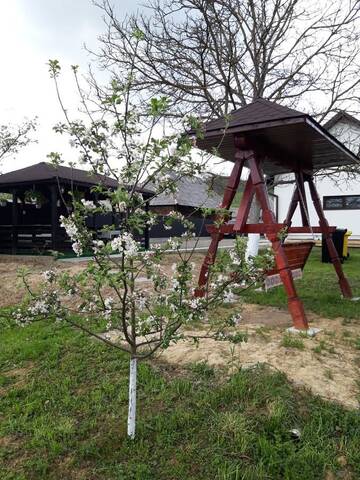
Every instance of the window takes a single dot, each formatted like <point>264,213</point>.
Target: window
<point>342,202</point>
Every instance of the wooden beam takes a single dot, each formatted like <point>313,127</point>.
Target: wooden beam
<point>302,198</point>
<point>295,305</point>
<point>229,194</point>
<point>245,205</point>
<point>14,221</point>
<point>229,228</point>
<point>147,229</point>
<point>54,216</point>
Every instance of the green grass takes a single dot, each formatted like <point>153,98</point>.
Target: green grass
<point>65,418</point>
<point>319,289</point>
<point>290,341</point>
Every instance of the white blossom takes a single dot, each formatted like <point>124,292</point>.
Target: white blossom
<point>98,245</point>
<point>125,244</point>
<point>77,247</point>
<point>121,206</point>
<point>108,305</point>
<point>49,276</point>
<point>229,297</point>
<point>89,204</point>
<point>73,232</point>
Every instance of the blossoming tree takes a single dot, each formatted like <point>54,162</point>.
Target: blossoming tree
<point>108,297</point>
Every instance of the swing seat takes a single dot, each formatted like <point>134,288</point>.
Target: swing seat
<point>297,254</point>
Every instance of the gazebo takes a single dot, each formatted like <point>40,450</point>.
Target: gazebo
<point>271,139</point>
<point>39,195</point>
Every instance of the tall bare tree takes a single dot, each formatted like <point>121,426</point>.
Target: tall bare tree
<point>209,57</point>
<point>213,56</point>
<point>13,138</point>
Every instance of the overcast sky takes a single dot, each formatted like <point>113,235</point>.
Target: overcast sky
<point>31,33</point>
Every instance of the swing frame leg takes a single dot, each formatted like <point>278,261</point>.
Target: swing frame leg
<point>295,305</point>
<point>229,194</point>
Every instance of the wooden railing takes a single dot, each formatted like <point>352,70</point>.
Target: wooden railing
<point>30,239</point>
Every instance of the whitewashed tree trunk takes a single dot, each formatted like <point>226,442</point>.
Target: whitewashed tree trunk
<point>252,248</point>
<point>132,398</point>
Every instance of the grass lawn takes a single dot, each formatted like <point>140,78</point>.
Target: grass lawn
<point>63,407</point>
<point>319,288</point>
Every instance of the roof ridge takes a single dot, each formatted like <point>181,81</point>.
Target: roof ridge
<point>278,106</point>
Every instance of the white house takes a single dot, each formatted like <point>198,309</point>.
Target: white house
<point>339,194</point>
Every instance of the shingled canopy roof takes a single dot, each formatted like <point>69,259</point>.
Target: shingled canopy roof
<point>44,172</point>
<point>291,138</point>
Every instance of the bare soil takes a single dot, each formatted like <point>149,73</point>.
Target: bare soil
<point>328,364</point>
<point>333,372</point>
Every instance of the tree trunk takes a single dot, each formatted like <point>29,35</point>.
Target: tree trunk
<point>252,248</point>
<point>132,398</point>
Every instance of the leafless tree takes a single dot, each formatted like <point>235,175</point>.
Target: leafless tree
<point>213,56</point>
<point>209,57</point>
<point>13,138</point>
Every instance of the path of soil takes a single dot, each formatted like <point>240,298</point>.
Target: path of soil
<point>333,373</point>
<point>332,370</point>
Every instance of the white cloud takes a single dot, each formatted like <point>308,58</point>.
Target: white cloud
<point>32,32</point>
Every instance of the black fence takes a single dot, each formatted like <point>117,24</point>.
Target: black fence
<point>177,229</point>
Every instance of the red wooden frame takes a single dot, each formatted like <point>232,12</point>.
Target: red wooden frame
<point>256,185</point>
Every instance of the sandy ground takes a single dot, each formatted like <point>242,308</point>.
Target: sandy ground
<point>331,371</point>
<point>333,374</point>
<point>12,290</point>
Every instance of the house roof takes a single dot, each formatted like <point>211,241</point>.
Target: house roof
<point>339,116</point>
<point>288,138</point>
<point>192,192</point>
<point>44,172</point>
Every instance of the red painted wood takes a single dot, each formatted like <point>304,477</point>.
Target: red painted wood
<point>287,256</point>
<point>233,182</point>
<point>292,207</point>
<point>296,254</point>
<point>208,261</point>
<point>217,236</point>
<point>245,206</point>
<point>229,228</point>
<point>295,305</point>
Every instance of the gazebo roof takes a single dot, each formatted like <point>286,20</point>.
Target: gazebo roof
<point>289,139</point>
<point>47,172</point>
<point>44,172</point>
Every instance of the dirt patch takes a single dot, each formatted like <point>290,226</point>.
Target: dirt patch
<point>19,377</point>
<point>326,364</point>
<point>12,290</point>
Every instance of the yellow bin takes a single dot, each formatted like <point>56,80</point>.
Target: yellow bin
<point>346,244</point>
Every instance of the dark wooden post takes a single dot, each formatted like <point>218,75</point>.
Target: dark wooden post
<point>14,221</point>
<point>292,207</point>
<point>295,305</point>
<point>324,225</point>
<point>147,229</point>
<point>54,216</point>
<point>302,199</point>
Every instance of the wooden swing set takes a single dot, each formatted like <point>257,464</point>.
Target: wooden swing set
<point>270,140</point>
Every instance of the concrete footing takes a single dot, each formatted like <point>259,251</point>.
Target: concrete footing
<point>310,332</point>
